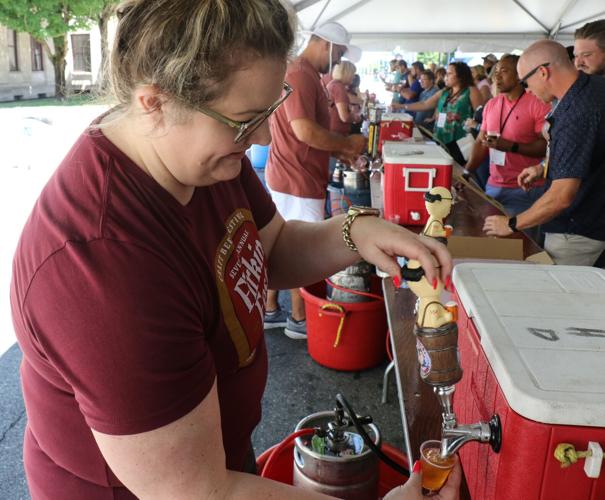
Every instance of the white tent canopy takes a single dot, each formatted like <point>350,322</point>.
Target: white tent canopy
<point>447,25</point>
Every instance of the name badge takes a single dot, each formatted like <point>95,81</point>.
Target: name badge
<point>441,120</point>
<point>497,157</point>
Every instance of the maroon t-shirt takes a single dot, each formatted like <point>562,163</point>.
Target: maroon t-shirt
<point>293,167</point>
<point>127,306</point>
<point>338,95</point>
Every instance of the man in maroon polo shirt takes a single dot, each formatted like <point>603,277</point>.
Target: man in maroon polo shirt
<point>297,171</point>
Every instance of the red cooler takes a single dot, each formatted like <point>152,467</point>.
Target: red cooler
<point>395,127</point>
<point>410,170</point>
<point>532,346</point>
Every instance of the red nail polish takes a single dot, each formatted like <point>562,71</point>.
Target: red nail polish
<point>434,283</point>
<point>448,282</point>
<point>397,281</point>
<point>417,467</point>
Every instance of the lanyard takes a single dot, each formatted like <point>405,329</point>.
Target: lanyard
<point>451,98</point>
<point>502,125</point>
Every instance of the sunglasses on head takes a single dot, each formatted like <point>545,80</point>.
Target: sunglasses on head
<point>432,198</point>
<point>523,80</point>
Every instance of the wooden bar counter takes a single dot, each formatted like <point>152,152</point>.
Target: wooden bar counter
<point>422,409</point>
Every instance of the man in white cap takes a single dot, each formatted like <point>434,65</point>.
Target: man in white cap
<point>297,169</point>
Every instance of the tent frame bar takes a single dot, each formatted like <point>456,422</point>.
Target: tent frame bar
<point>348,10</point>
<point>525,9</point>
<point>583,20</point>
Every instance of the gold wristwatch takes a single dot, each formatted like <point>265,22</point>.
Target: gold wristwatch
<point>354,212</point>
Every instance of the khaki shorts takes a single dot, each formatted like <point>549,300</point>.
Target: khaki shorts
<point>573,249</point>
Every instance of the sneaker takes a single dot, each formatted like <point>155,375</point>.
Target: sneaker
<point>296,329</point>
<point>275,319</point>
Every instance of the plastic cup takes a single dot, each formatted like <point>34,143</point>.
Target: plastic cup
<point>452,307</point>
<point>435,469</point>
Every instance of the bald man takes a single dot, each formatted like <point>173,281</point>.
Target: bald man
<point>572,209</point>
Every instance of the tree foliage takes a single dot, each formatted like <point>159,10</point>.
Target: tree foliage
<point>51,19</point>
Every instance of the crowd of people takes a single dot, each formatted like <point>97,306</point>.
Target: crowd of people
<point>548,182</point>
<point>139,291</point>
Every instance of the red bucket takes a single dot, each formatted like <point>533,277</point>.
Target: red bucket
<point>348,336</point>
<point>282,467</point>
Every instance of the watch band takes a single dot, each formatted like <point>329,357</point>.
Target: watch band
<point>515,147</point>
<point>512,223</point>
<point>354,212</point>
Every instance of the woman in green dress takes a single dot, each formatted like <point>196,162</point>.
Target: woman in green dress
<point>453,105</point>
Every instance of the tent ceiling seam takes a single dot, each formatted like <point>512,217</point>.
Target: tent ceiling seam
<point>524,9</point>
<point>583,20</point>
<point>348,10</point>
<point>556,27</point>
<point>321,12</point>
<point>304,4</point>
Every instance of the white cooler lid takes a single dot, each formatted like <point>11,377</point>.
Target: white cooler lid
<point>542,330</point>
<point>413,153</point>
<point>400,117</point>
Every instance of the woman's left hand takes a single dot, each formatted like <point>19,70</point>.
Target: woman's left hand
<point>380,243</point>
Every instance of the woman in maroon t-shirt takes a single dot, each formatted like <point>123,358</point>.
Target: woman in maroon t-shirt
<point>140,279</point>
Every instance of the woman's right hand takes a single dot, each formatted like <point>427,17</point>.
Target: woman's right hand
<point>412,489</point>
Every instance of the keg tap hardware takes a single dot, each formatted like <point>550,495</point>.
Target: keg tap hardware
<point>439,362</point>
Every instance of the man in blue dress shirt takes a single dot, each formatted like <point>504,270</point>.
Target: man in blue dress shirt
<point>572,209</point>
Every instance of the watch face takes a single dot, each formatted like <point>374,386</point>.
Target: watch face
<point>363,210</point>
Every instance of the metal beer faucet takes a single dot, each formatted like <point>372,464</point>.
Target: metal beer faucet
<point>454,436</point>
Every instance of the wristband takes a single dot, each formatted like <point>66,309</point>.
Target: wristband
<point>515,147</point>
<point>512,224</point>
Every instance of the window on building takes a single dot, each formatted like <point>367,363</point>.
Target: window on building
<point>37,55</point>
<point>80,45</point>
<point>13,59</point>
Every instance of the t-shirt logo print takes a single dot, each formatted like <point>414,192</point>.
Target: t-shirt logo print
<point>241,278</point>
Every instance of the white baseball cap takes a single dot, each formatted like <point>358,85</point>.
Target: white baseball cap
<point>338,35</point>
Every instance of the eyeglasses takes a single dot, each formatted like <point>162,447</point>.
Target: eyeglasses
<point>432,198</point>
<point>247,128</point>
<point>523,80</point>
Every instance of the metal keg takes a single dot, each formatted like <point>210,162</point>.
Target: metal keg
<point>356,180</point>
<point>347,469</point>
<point>357,278</point>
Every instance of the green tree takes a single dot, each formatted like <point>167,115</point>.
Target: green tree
<point>51,20</point>
<point>108,9</point>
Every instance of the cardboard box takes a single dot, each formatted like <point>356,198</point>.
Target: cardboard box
<point>490,248</point>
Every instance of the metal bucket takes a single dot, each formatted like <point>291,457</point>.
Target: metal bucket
<point>355,277</point>
<point>355,180</point>
<point>352,477</point>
